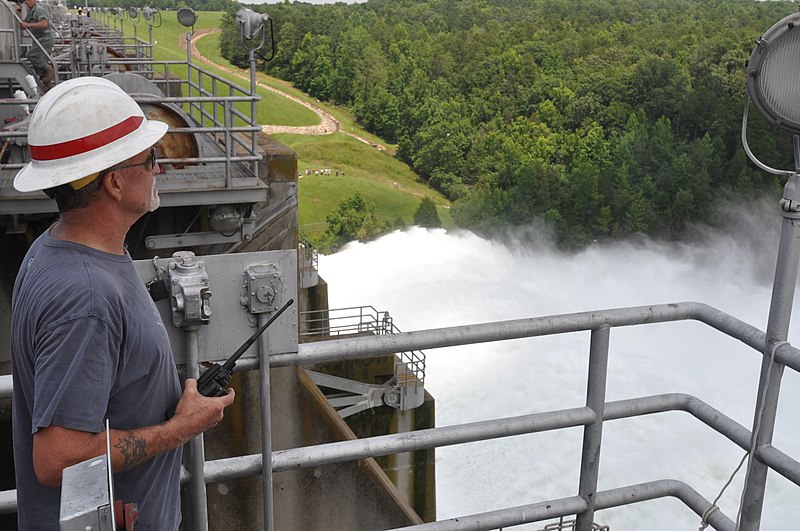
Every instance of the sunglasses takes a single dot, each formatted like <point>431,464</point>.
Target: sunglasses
<point>150,163</point>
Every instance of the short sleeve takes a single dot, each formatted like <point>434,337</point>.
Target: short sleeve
<point>75,366</point>
<point>38,14</point>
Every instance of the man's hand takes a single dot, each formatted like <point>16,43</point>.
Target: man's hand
<point>196,413</point>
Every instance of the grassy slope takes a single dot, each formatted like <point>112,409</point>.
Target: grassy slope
<point>378,176</point>
<point>209,46</point>
<point>273,109</point>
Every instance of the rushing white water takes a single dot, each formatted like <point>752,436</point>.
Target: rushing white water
<point>431,278</point>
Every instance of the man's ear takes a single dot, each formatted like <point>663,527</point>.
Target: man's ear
<point>113,184</point>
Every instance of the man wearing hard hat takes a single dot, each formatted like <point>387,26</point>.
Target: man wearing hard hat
<point>87,342</point>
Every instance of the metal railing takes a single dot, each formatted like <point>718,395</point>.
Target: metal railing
<point>342,321</point>
<point>570,524</point>
<point>18,35</point>
<point>591,417</point>
<point>363,320</point>
<point>309,255</point>
<point>220,108</point>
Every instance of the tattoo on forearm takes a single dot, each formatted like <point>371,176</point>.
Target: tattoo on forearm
<point>133,448</point>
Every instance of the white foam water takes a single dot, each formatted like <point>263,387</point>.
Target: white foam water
<point>432,278</point>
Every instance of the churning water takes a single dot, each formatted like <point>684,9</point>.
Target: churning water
<point>432,278</point>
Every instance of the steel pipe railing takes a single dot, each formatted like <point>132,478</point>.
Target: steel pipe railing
<point>599,322</point>
<point>568,506</point>
<point>343,451</point>
<point>366,347</point>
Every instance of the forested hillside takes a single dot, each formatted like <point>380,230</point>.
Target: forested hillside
<point>602,117</point>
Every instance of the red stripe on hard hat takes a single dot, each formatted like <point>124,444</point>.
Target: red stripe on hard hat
<point>87,143</point>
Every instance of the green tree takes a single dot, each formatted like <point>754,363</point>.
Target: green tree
<point>603,117</point>
<point>426,215</point>
<point>230,44</point>
<point>353,219</point>
<point>312,66</point>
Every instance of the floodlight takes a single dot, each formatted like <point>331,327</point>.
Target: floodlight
<point>250,23</point>
<point>773,83</point>
<point>133,12</point>
<point>148,13</point>
<point>186,16</point>
<point>774,74</point>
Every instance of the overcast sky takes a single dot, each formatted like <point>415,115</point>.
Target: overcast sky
<point>306,1</point>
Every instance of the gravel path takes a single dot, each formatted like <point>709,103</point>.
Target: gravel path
<point>328,124</point>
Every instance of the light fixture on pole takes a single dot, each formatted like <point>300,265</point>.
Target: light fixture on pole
<point>149,13</point>
<point>774,74</point>
<point>187,17</point>
<point>250,23</point>
<point>773,84</point>
<point>252,26</point>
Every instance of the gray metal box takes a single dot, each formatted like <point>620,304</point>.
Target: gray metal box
<point>271,276</point>
<point>85,497</point>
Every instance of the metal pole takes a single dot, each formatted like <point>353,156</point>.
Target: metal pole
<point>266,425</point>
<point>593,433</point>
<point>780,313</point>
<point>253,120</point>
<point>229,121</point>
<point>198,512</point>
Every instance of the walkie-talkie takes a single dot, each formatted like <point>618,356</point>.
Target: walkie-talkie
<point>214,381</point>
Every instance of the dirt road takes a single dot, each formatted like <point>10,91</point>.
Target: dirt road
<point>328,124</point>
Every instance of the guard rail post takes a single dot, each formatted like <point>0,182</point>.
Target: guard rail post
<point>780,313</point>
<point>266,425</point>
<point>593,433</point>
<point>198,509</point>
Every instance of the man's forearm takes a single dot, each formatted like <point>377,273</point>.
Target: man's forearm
<point>128,447</point>
<point>55,447</point>
<point>131,447</point>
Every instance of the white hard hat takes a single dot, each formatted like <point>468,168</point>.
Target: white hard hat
<point>80,127</point>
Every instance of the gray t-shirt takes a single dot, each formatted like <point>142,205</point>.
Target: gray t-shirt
<point>43,35</point>
<point>88,344</point>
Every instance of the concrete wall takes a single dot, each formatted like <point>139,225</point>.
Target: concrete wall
<point>413,473</point>
<point>356,495</point>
